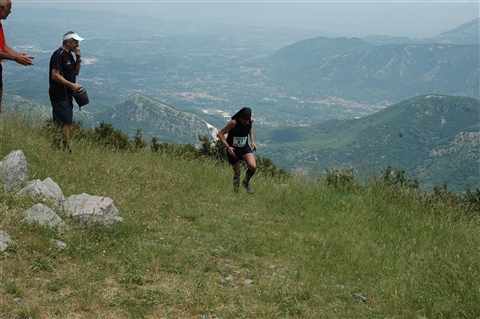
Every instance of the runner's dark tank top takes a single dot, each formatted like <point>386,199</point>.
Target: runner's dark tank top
<point>238,136</point>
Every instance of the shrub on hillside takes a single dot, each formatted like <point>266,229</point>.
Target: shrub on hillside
<point>471,200</point>
<point>105,134</point>
<point>397,178</point>
<point>138,142</point>
<point>267,168</point>
<point>341,178</point>
<point>211,149</point>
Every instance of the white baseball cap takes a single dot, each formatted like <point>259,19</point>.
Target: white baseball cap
<point>73,36</point>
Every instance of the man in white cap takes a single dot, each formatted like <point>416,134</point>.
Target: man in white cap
<point>62,77</point>
<point>6,52</point>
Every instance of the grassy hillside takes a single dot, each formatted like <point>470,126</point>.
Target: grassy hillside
<point>189,248</point>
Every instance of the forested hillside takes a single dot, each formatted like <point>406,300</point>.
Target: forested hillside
<point>435,138</point>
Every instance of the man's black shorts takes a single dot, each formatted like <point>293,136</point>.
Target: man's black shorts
<point>62,111</point>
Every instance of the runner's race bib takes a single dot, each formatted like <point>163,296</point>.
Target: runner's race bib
<point>239,141</point>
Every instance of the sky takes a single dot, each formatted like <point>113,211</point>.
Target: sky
<point>350,18</point>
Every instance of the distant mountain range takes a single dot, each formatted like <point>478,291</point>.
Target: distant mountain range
<point>288,77</point>
<point>466,34</point>
<point>435,138</point>
<point>356,70</point>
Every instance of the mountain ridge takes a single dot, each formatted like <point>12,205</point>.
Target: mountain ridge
<point>467,33</point>
<point>370,75</point>
<point>156,119</point>
<point>422,135</point>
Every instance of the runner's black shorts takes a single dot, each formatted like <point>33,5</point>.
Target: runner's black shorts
<point>239,152</point>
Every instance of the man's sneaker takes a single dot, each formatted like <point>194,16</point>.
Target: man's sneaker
<point>248,187</point>
<point>236,184</point>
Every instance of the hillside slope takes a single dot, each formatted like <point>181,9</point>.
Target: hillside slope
<point>435,138</point>
<point>156,119</point>
<point>189,247</point>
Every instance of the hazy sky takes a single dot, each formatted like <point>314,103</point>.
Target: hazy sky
<point>352,18</point>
